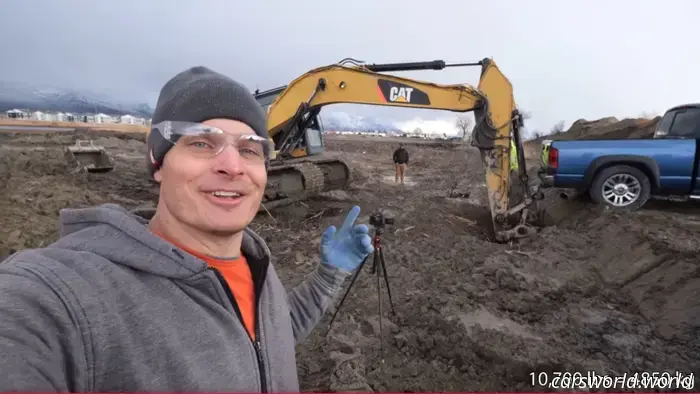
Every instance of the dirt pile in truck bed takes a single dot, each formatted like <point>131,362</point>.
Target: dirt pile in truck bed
<point>610,128</point>
<point>609,293</point>
<point>602,129</point>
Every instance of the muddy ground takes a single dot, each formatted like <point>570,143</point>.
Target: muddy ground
<point>598,291</point>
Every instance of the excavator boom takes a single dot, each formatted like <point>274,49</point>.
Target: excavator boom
<point>336,84</point>
<point>292,110</point>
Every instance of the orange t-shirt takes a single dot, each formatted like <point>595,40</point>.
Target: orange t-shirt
<point>240,281</point>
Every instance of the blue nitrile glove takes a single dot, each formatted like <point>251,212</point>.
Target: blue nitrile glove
<point>347,247</point>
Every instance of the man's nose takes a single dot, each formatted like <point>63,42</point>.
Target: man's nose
<point>229,162</point>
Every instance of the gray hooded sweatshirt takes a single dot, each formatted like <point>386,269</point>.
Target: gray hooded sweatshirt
<point>112,307</point>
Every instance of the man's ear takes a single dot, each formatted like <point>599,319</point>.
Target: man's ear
<point>157,176</point>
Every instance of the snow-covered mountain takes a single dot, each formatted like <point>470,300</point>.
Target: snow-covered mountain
<point>342,121</point>
<point>48,98</point>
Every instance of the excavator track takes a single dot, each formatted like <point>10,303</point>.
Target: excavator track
<point>337,173</point>
<point>298,179</point>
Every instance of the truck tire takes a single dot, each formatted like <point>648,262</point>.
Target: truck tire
<point>621,188</point>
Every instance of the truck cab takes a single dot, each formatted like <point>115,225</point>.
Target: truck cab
<point>624,174</point>
<point>681,122</point>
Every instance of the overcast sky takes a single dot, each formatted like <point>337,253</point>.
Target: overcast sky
<point>566,59</point>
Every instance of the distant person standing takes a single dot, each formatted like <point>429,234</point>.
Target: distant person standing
<point>400,161</point>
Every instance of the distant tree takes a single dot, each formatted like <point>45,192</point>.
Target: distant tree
<point>464,128</point>
<point>558,128</point>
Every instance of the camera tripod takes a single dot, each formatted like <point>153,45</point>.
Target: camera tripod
<point>378,260</point>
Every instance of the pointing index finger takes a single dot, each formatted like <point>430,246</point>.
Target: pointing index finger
<point>350,219</point>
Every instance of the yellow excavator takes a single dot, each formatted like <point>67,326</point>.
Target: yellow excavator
<point>300,169</point>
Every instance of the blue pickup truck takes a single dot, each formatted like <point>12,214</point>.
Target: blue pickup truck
<point>624,174</point>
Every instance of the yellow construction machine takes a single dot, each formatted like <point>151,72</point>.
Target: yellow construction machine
<point>300,169</point>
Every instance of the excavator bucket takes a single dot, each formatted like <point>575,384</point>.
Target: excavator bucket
<point>86,156</point>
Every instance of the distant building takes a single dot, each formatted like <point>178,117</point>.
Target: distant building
<point>102,118</point>
<point>127,119</point>
<point>38,115</point>
<point>16,114</point>
<point>130,119</point>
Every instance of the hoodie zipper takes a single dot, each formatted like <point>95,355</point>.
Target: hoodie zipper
<point>256,342</point>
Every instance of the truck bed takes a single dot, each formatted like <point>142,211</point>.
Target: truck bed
<point>670,163</point>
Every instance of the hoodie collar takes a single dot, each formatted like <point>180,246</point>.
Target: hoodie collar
<point>123,238</point>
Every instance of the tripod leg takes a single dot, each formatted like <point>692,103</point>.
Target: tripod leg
<point>375,260</point>
<point>354,278</point>
<point>379,300</point>
<point>386,280</point>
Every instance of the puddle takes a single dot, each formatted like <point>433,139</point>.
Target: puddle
<point>407,181</point>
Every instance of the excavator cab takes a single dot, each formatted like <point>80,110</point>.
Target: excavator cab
<point>311,140</point>
<point>298,169</point>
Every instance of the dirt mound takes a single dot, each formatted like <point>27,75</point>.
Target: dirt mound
<point>593,292</point>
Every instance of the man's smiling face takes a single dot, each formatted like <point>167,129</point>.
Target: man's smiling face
<point>219,194</point>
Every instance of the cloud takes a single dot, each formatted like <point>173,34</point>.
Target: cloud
<point>430,126</point>
<point>565,59</point>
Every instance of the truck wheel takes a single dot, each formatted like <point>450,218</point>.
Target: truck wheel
<point>621,187</point>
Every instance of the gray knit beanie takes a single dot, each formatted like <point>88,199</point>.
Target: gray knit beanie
<point>196,95</point>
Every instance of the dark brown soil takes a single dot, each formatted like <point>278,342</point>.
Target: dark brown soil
<point>598,291</point>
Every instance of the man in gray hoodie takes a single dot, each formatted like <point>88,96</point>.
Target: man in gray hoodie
<point>185,300</point>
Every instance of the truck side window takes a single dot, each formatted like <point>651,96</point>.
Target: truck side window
<point>686,123</point>
<point>665,124</point>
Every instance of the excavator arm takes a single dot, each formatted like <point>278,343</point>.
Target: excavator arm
<point>498,122</point>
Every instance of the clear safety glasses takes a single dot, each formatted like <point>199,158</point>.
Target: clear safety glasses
<point>204,141</point>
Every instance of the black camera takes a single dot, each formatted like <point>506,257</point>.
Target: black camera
<point>378,219</point>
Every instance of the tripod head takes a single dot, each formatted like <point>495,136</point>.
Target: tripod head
<point>380,220</point>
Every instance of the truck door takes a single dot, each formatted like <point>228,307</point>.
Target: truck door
<point>683,123</point>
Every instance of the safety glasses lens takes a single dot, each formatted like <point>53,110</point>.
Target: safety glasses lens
<point>208,145</point>
<point>207,141</point>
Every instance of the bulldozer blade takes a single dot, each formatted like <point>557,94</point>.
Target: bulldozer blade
<point>85,156</point>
